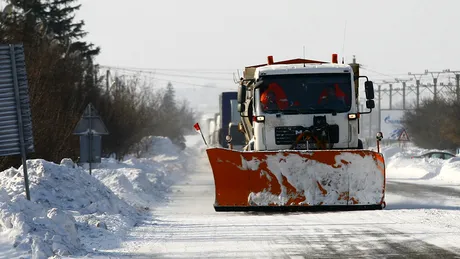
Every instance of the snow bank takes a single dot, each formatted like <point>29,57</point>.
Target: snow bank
<point>33,228</point>
<point>63,199</point>
<point>72,212</point>
<point>142,181</point>
<point>450,171</point>
<point>401,166</point>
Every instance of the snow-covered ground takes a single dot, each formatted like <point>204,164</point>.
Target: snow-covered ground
<point>160,205</point>
<point>74,213</point>
<point>402,167</point>
<point>188,227</point>
<point>421,182</point>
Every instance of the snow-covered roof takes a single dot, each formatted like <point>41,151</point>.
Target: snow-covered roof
<point>291,61</point>
<point>302,69</point>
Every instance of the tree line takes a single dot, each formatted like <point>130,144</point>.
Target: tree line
<point>63,78</point>
<point>435,124</point>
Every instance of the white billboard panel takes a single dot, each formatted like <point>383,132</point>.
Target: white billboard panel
<point>390,124</point>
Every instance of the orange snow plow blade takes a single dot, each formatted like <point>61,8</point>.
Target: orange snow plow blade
<point>297,180</point>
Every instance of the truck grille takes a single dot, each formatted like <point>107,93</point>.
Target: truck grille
<point>287,135</point>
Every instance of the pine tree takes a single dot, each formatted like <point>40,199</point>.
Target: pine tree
<point>60,22</point>
<point>169,102</point>
<point>169,114</point>
<point>57,19</point>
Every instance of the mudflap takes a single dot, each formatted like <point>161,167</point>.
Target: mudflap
<point>295,180</point>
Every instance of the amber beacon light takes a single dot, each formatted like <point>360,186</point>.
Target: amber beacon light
<point>335,58</point>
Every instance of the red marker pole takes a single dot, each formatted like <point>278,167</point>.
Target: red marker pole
<point>197,128</point>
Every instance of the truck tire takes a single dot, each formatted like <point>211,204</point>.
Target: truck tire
<point>360,144</point>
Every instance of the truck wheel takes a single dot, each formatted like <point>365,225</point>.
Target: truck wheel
<point>360,144</point>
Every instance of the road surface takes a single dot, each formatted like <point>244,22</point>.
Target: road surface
<point>188,227</point>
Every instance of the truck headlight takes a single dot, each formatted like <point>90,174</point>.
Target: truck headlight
<point>352,116</point>
<point>258,118</point>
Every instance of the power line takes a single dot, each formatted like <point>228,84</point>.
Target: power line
<point>186,83</point>
<point>177,82</point>
<point>382,74</point>
<point>189,70</point>
<point>173,75</point>
<point>417,77</point>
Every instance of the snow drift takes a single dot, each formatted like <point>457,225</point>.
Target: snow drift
<point>72,212</point>
<point>142,181</point>
<point>63,199</point>
<point>400,166</point>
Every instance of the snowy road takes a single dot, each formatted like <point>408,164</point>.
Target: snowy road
<point>427,192</point>
<point>188,227</point>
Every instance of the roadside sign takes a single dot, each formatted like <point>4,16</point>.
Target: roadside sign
<point>16,135</point>
<point>90,120</point>
<point>90,128</point>
<point>403,136</point>
<point>95,146</point>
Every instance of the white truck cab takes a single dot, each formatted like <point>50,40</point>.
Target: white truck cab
<point>302,106</point>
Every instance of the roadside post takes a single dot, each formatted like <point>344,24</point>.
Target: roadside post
<point>198,129</point>
<point>379,138</point>
<point>16,136</point>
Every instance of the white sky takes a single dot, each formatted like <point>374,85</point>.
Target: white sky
<point>390,37</point>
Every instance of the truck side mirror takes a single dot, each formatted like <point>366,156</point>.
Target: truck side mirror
<point>241,107</point>
<point>241,93</point>
<point>369,89</point>
<point>370,104</point>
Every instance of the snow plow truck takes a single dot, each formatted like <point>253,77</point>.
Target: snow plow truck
<point>300,120</point>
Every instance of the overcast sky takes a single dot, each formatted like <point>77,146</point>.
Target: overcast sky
<point>390,38</point>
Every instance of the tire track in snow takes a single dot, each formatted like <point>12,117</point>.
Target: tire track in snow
<point>357,241</point>
<point>420,190</point>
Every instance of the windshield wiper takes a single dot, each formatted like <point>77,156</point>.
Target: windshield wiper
<point>271,111</point>
<point>282,111</point>
<point>327,110</point>
<point>306,110</point>
<point>290,111</point>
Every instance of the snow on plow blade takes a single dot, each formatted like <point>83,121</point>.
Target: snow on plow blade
<point>297,180</point>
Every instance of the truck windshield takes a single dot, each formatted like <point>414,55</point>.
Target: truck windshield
<point>306,93</point>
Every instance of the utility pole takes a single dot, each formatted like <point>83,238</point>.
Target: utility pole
<point>435,81</point>
<point>380,106</point>
<point>457,82</point>
<point>397,80</point>
<point>107,81</point>
<point>403,81</point>
<point>391,91</point>
<point>417,82</point>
